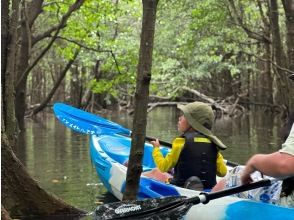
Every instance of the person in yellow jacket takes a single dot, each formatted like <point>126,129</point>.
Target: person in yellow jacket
<point>195,154</point>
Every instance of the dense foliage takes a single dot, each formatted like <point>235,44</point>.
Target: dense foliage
<point>214,47</point>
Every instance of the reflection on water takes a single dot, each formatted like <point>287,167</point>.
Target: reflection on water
<point>250,134</point>
<point>59,158</point>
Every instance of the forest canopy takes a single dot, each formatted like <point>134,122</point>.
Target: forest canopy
<point>222,49</point>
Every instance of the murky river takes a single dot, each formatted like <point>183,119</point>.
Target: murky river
<point>59,158</point>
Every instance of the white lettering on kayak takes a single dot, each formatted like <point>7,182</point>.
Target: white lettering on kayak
<point>76,127</point>
<point>127,208</point>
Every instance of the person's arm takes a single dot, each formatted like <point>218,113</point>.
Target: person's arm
<point>164,164</point>
<point>221,168</point>
<point>277,165</point>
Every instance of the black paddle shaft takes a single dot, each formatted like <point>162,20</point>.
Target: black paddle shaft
<point>215,195</point>
<point>174,205</point>
<point>160,141</point>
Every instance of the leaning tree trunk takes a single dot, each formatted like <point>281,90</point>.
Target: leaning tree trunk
<point>141,99</point>
<point>21,195</point>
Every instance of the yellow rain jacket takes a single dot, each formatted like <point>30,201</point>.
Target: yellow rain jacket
<point>164,164</point>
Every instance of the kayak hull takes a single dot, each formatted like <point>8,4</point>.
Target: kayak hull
<point>110,152</point>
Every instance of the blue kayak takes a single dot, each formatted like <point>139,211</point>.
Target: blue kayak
<point>110,152</point>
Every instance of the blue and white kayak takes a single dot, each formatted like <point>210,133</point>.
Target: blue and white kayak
<point>110,152</point>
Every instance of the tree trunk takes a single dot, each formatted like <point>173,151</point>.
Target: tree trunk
<point>267,78</point>
<point>23,57</point>
<point>264,79</point>
<point>75,87</point>
<point>61,92</point>
<point>279,57</point>
<point>86,98</point>
<point>141,99</point>
<point>4,35</point>
<point>21,195</point>
<point>37,87</point>
<point>289,12</point>
<point>9,71</point>
<point>226,78</point>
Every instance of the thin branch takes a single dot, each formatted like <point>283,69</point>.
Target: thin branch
<point>272,62</point>
<point>46,34</point>
<point>93,49</point>
<point>64,19</point>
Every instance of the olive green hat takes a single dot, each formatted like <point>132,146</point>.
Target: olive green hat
<point>200,116</point>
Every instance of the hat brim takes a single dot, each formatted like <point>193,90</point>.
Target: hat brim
<point>200,128</point>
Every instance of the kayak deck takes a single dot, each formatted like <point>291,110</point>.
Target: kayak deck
<point>118,148</point>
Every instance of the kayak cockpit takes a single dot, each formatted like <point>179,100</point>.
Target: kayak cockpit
<point>118,148</point>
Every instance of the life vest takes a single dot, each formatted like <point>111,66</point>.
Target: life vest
<point>197,158</point>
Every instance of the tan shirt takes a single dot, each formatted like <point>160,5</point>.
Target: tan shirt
<point>288,147</point>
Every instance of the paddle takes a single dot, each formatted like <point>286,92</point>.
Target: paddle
<point>85,122</point>
<point>88,123</point>
<point>177,206</point>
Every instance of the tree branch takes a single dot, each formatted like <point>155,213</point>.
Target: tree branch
<point>250,33</point>
<point>93,49</point>
<point>64,19</point>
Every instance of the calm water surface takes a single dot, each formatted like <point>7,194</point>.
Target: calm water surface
<point>59,158</point>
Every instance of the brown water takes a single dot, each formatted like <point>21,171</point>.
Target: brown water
<point>59,158</point>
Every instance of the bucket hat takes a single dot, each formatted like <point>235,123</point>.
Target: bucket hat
<point>200,116</point>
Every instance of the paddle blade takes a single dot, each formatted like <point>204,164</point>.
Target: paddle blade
<point>172,207</point>
<point>85,122</point>
<point>148,208</point>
